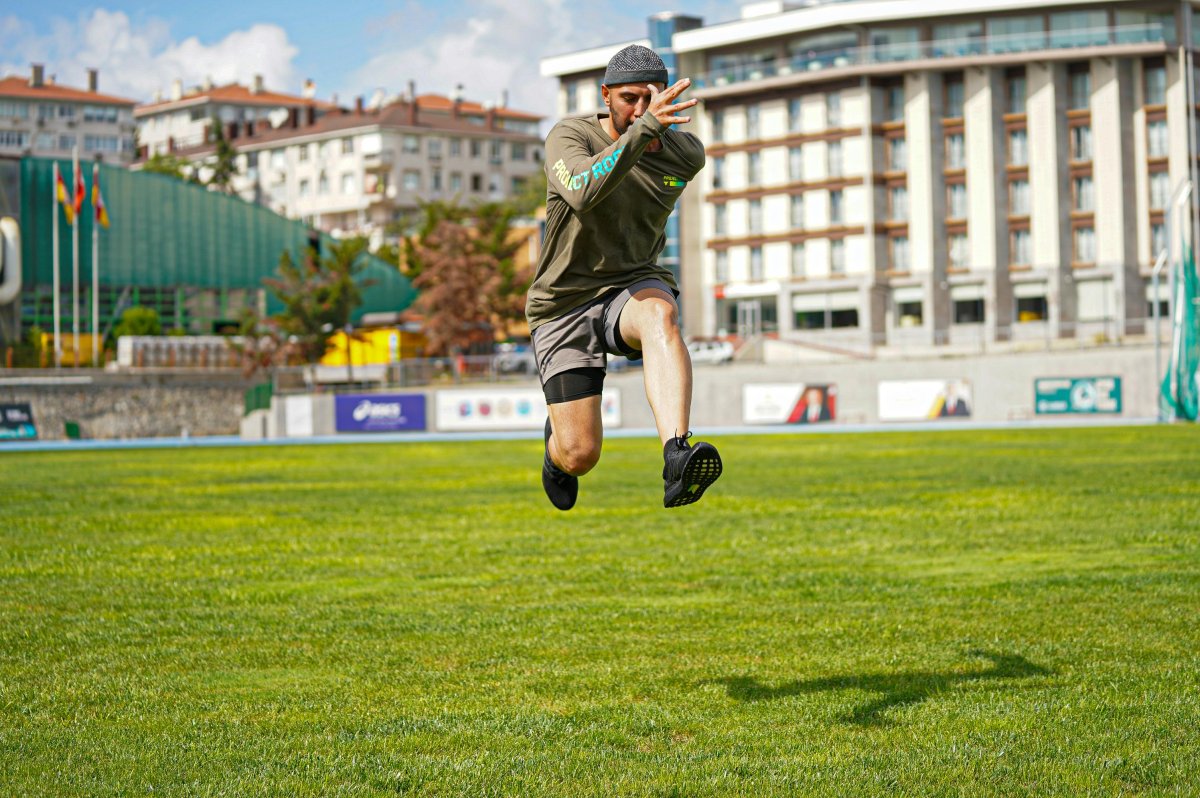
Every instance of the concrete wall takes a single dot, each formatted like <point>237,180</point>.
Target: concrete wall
<point>123,406</point>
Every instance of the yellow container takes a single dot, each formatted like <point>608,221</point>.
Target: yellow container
<point>372,347</point>
<point>68,349</point>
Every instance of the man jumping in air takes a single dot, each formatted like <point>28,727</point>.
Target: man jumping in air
<point>613,178</point>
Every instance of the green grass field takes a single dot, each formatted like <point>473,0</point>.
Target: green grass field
<point>957,613</point>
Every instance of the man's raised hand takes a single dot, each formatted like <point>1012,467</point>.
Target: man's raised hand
<point>663,105</point>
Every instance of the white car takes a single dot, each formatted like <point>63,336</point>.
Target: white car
<point>711,351</point>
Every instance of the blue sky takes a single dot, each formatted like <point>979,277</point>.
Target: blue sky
<point>349,47</point>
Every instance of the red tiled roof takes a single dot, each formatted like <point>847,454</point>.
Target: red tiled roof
<point>439,102</point>
<point>16,86</point>
<point>235,94</point>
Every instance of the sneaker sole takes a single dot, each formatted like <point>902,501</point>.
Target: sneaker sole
<point>701,471</point>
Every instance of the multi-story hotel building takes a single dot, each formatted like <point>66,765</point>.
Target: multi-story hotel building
<point>39,116</point>
<point>928,174</point>
<point>354,170</point>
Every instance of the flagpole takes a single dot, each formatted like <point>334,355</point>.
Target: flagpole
<point>57,281</point>
<point>75,265</point>
<point>95,269</point>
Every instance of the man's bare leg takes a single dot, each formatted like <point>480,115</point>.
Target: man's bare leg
<point>577,434</point>
<point>650,323</point>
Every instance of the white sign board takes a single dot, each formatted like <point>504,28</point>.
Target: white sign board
<point>791,403</point>
<point>298,416</point>
<point>507,409</point>
<point>921,400</point>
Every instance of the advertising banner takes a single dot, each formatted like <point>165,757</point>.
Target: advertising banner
<point>790,403</point>
<point>16,422</point>
<point>507,409</point>
<point>1056,395</point>
<point>298,416</point>
<point>922,400</point>
<point>379,412</point>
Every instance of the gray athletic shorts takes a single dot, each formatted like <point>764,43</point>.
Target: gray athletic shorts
<point>584,336</point>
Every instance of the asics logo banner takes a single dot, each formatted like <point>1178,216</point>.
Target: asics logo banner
<point>367,409</point>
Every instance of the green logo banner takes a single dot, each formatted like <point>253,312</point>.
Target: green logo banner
<point>1056,395</point>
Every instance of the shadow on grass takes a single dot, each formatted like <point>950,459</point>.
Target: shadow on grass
<point>895,689</point>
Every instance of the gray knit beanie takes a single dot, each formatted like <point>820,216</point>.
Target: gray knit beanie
<point>635,64</point>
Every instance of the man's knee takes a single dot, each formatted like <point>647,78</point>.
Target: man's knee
<point>659,318</point>
<point>577,456</point>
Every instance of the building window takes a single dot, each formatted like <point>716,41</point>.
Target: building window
<point>722,266</point>
<point>898,204</point>
<point>798,259</point>
<point>435,148</point>
<point>302,153</point>
<point>1018,148</point>
<point>1031,308</point>
<point>720,216</point>
<point>968,311</point>
<point>1156,138</point>
<point>795,163</point>
<point>797,212</point>
<point>456,181</point>
<point>477,183</point>
<point>347,146</point>
<point>959,254</point>
<point>14,110</point>
<point>754,216</point>
<point>476,148</point>
<point>1156,85</point>
<point>455,148</point>
<point>752,121</point>
<point>1080,94</point>
<point>954,97</point>
<point>411,144</point>
<point>956,151</point>
<point>1084,200</point>
<point>305,187</point>
<point>899,254</point>
<point>435,183</point>
<point>753,168</point>
<point>323,184</point>
<point>517,151</point>
<point>496,151</point>
<point>349,184</point>
<point>1085,245</point>
<point>893,103</point>
<point>1016,93</point>
<point>1019,251</point>
<point>834,156</point>
<point>795,115</point>
<point>572,97</point>
<point>1018,198</point>
<point>1081,143</point>
<point>956,201</point>
<point>898,155</point>
<point>718,172</point>
<point>1160,190</point>
<point>837,256</point>
<point>411,180</point>
<point>1158,238</point>
<point>756,265</point>
<point>833,109</point>
<point>718,126</point>
<point>835,207</point>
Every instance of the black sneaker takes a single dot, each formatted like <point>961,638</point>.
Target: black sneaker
<point>561,488</point>
<point>688,470</point>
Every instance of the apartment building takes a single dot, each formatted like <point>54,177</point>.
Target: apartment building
<point>935,173</point>
<point>353,170</point>
<point>39,116</point>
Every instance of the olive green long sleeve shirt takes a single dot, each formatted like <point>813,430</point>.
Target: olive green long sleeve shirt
<point>607,204</point>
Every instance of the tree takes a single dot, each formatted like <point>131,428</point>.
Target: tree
<point>224,165</point>
<point>166,164</point>
<point>463,263</point>
<point>319,295</point>
<point>138,321</point>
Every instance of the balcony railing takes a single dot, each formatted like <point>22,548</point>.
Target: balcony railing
<point>958,47</point>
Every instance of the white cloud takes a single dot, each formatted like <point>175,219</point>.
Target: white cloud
<point>137,60</point>
<point>494,45</point>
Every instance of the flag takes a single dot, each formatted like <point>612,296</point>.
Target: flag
<point>80,188</point>
<point>65,198</point>
<point>1180,391</point>
<point>97,199</point>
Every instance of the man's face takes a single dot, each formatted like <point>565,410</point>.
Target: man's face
<point>627,102</point>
